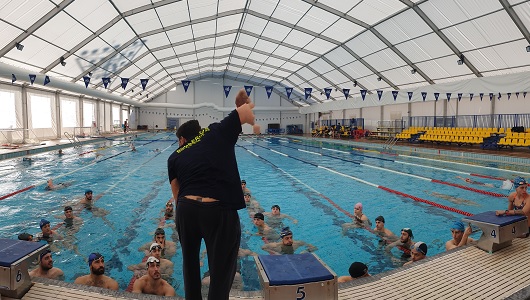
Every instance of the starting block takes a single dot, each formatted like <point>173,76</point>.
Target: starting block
<point>497,231</point>
<point>296,276</point>
<point>15,259</point>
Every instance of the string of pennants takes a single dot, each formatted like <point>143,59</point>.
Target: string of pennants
<point>86,80</point>
<point>346,92</point>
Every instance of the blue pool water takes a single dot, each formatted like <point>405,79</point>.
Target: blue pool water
<point>314,189</point>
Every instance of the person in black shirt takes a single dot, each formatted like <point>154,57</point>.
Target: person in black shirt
<point>206,186</point>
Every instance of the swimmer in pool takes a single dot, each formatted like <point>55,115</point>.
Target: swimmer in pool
<point>53,187</point>
<point>275,217</point>
<point>287,244</point>
<point>469,180</point>
<point>360,220</point>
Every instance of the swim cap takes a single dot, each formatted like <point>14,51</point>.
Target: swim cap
<point>359,206</point>
<point>518,181</point>
<point>420,247</point>
<point>409,231</point>
<point>246,194</point>
<point>244,181</point>
<point>43,253</point>
<point>67,208</point>
<point>285,232</point>
<point>89,191</point>
<point>154,245</point>
<point>458,226</point>
<point>25,236</point>
<point>150,260</point>
<point>380,219</point>
<point>92,257</point>
<point>259,216</point>
<point>160,231</point>
<point>358,269</point>
<point>43,222</point>
<point>277,206</point>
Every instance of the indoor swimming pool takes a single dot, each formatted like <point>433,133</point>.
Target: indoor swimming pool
<point>316,184</point>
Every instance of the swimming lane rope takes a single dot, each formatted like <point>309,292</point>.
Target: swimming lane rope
<point>365,182</point>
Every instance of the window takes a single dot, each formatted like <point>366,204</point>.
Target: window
<point>41,112</point>
<point>88,114</point>
<point>116,115</point>
<point>8,116</point>
<point>68,113</point>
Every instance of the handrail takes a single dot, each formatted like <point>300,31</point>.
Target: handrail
<point>72,139</point>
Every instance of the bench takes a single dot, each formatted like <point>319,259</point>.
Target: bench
<point>497,231</point>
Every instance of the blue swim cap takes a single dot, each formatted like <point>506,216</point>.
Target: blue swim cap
<point>43,222</point>
<point>518,181</point>
<point>92,257</point>
<point>458,226</point>
<point>285,232</point>
<point>88,191</point>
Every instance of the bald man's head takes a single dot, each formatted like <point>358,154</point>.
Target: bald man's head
<point>242,98</point>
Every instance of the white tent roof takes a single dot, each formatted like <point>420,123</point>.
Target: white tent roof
<point>355,44</point>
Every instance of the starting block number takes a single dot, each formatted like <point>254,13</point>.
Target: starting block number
<point>494,233</point>
<point>19,276</point>
<point>300,292</point>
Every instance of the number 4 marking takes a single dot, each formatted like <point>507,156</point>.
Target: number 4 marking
<point>513,230</point>
<point>300,291</point>
<point>493,234</point>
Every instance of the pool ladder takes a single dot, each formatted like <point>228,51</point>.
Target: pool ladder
<point>75,141</point>
<point>390,142</point>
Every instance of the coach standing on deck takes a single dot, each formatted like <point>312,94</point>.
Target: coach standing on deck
<point>206,185</point>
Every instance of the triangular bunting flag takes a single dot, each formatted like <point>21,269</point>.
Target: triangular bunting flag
<point>288,91</point>
<point>491,96</point>
<point>363,94</point>
<point>459,96</point>
<point>86,79</point>
<point>481,95</point>
<point>379,94</point>
<point>346,93</point>
<point>144,83</point>
<point>307,92</point>
<point>499,97</point>
<point>424,95</point>
<point>248,89</point>
<point>268,89</point>
<point>227,89</point>
<point>471,96</point>
<point>46,80</point>
<point>410,95</point>
<point>517,94</point>
<point>327,92</point>
<point>524,94</point>
<point>13,78</point>
<point>436,95</point>
<point>106,81</point>
<point>395,94</point>
<point>448,96</point>
<point>509,95</point>
<point>124,82</point>
<point>186,85</point>
<point>32,78</point>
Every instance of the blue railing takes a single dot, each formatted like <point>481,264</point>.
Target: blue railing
<point>481,121</point>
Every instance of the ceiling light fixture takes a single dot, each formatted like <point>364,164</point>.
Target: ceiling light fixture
<point>132,90</point>
<point>90,74</point>
<point>19,46</point>
<point>63,63</point>
<point>527,49</point>
<point>413,71</point>
<point>379,78</point>
<point>354,83</point>
<point>461,60</point>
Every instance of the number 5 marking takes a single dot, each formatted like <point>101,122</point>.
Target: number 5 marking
<point>300,291</point>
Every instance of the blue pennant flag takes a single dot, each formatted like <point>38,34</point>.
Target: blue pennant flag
<point>471,96</point>
<point>186,85</point>
<point>395,94</point>
<point>144,83</point>
<point>436,95</point>
<point>424,95</point>
<point>509,95</point>
<point>517,94</point>
<point>32,78</point>
<point>13,78</point>
<point>268,89</point>
<point>379,94</point>
<point>327,92</point>
<point>86,79</point>
<point>248,89</point>
<point>346,93</point>
<point>106,81</point>
<point>46,79</point>
<point>481,95</point>
<point>307,92</point>
<point>491,96</point>
<point>499,97</point>
<point>288,90</point>
<point>227,89</point>
<point>124,82</point>
<point>363,94</point>
<point>410,95</point>
<point>459,96</point>
<point>448,96</point>
<point>524,95</point>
